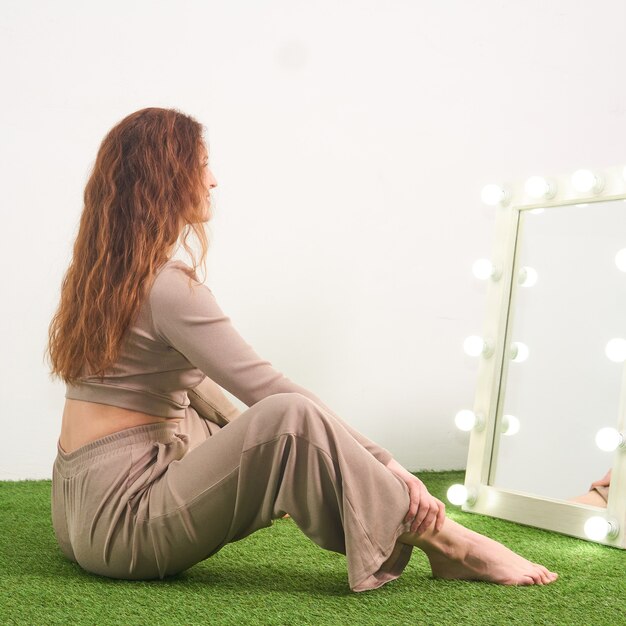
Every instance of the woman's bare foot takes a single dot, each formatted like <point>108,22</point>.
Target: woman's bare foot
<point>591,497</point>
<point>460,553</point>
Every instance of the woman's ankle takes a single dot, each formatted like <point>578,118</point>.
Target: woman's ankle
<point>449,541</point>
<point>429,540</point>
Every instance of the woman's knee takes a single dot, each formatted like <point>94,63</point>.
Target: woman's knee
<point>292,407</point>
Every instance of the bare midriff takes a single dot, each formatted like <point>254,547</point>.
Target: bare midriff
<point>84,422</point>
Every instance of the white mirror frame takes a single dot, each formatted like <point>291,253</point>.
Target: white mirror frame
<point>542,512</point>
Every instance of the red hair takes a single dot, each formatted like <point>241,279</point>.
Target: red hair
<point>145,185</point>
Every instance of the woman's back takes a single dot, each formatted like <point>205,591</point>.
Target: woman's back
<point>148,384</point>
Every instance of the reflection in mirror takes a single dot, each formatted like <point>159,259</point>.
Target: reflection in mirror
<point>566,332</point>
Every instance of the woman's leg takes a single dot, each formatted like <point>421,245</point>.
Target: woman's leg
<point>288,454</point>
<point>460,553</point>
<point>283,454</point>
<point>150,501</point>
<point>598,496</point>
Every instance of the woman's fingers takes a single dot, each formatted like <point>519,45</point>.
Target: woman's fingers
<point>414,505</point>
<point>441,515</point>
<point>436,512</point>
<point>417,494</point>
<point>428,520</point>
<point>423,507</point>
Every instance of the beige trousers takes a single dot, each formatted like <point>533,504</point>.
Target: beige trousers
<point>153,500</point>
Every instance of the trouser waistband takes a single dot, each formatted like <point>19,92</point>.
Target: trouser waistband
<point>83,457</point>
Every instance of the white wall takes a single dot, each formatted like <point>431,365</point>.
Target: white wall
<point>350,141</point>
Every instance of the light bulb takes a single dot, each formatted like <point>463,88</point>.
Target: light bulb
<point>615,349</point>
<point>483,269</point>
<point>457,494</point>
<point>620,260</point>
<point>519,351</point>
<point>527,276</point>
<point>466,420</point>
<point>585,181</point>
<point>460,494</point>
<point>494,195</point>
<point>609,439</point>
<point>475,346</point>
<point>599,528</point>
<point>539,188</point>
<point>510,425</point>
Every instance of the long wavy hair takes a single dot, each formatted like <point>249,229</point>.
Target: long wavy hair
<point>146,188</point>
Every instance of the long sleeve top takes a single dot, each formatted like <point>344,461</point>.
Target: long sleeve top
<point>180,336</point>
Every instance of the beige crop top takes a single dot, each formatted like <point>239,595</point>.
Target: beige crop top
<point>179,337</point>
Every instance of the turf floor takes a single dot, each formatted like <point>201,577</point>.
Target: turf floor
<point>279,576</point>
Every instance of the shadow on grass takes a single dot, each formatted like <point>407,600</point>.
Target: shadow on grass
<point>232,576</point>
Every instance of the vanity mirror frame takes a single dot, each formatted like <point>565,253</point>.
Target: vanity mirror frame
<point>561,516</point>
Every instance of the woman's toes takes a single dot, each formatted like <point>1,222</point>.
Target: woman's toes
<point>537,576</point>
<point>547,575</point>
<point>551,575</point>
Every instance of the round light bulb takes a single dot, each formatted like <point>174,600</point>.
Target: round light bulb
<point>585,181</point>
<point>615,349</point>
<point>457,494</point>
<point>538,188</point>
<point>510,425</point>
<point>608,439</point>
<point>465,420</point>
<point>474,345</point>
<point>598,528</point>
<point>493,195</point>
<point>527,276</point>
<point>483,269</point>
<point>519,351</point>
<point>620,260</point>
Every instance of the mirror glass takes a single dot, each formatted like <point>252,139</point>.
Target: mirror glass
<point>568,302</point>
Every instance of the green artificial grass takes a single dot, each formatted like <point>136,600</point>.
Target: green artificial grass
<point>279,576</point>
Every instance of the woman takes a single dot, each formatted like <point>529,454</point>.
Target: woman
<point>143,486</point>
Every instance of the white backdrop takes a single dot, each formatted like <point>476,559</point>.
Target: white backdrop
<point>350,141</point>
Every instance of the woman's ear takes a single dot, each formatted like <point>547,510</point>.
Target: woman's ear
<point>208,399</point>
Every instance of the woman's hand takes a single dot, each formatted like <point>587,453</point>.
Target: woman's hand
<point>424,507</point>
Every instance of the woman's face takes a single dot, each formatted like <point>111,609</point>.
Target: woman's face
<point>209,181</point>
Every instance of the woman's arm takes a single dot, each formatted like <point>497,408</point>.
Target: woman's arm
<point>189,319</point>
<point>209,401</point>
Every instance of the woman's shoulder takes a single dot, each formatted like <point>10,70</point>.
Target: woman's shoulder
<point>178,301</point>
<point>170,278</point>
<point>174,267</point>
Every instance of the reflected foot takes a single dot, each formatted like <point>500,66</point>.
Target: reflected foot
<point>592,497</point>
<point>456,552</point>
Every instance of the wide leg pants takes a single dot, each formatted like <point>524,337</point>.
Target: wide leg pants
<point>153,500</point>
